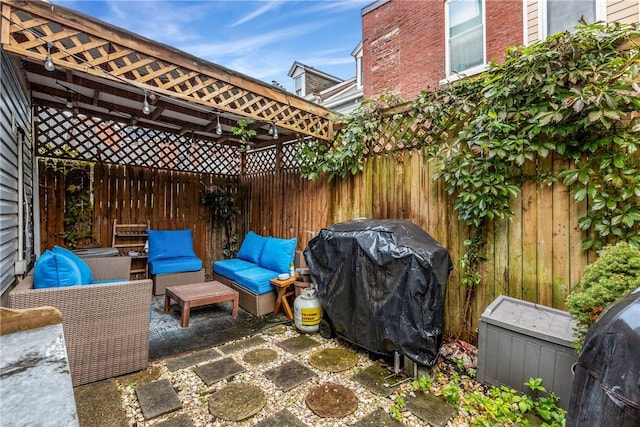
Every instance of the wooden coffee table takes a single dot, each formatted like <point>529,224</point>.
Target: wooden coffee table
<point>199,294</point>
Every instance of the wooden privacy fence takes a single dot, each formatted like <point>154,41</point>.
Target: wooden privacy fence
<point>131,194</point>
<point>536,257</point>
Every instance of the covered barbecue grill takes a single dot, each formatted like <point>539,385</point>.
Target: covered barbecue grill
<point>382,285</point>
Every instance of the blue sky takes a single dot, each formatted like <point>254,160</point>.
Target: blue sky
<point>261,39</point>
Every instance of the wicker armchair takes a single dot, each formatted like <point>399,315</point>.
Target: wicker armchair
<point>106,326</point>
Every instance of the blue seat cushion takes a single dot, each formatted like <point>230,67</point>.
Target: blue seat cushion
<point>54,270</point>
<point>167,244</point>
<point>256,279</point>
<point>86,276</point>
<point>229,267</point>
<point>277,254</point>
<point>251,248</point>
<point>175,265</point>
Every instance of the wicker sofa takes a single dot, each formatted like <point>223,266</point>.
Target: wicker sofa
<point>106,326</point>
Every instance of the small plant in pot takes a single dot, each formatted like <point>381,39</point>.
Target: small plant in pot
<point>612,276</point>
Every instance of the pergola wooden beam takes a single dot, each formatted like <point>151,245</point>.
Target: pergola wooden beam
<point>85,45</point>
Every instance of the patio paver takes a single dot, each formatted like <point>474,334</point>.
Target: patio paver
<point>297,345</point>
<point>260,356</point>
<point>282,418</point>
<point>373,379</point>
<point>331,400</point>
<point>181,420</point>
<point>216,371</point>
<point>191,359</point>
<point>290,375</point>
<point>157,398</point>
<point>237,401</point>
<point>430,408</point>
<point>242,344</point>
<point>378,418</point>
<point>333,359</point>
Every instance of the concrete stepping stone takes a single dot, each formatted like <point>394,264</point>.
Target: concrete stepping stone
<point>430,408</point>
<point>219,370</point>
<point>333,359</point>
<point>275,330</point>
<point>260,356</point>
<point>237,401</point>
<point>378,418</point>
<point>331,400</point>
<point>290,375</point>
<point>182,420</point>
<point>297,345</point>
<point>253,341</point>
<point>157,398</point>
<point>192,359</point>
<point>282,418</point>
<point>373,378</point>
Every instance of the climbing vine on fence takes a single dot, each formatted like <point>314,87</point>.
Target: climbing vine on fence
<point>574,95</point>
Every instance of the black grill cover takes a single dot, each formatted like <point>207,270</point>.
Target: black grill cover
<point>606,387</point>
<point>382,285</point>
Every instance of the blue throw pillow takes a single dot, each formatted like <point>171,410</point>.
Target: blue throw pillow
<point>277,254</point>
<point>85,271</point>
<point>166,244</point>
<point>55,270</point>
<point>251,248</point>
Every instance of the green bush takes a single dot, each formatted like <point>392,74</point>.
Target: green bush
<point>612,276</point>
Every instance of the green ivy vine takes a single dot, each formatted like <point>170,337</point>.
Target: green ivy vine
<point>575,95</point>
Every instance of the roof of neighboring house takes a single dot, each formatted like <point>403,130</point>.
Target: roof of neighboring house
<point>338,95</point>
<point>309,69</point>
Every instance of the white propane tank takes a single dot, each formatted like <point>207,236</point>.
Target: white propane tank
<point>307,311</point>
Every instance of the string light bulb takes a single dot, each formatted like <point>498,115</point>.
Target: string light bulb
<point>48,62</point>
<point>146,108</point>
<point>274,131</point>
<point>218,126</point>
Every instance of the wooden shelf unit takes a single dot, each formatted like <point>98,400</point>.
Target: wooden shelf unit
<point>128,238</point>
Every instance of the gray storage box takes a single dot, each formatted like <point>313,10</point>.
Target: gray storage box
<point>519,340</point>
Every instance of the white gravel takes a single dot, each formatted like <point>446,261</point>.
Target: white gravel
<point>194,393</point>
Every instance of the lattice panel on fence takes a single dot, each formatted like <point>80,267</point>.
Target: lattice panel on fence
<point>261,160</point>
<point>58,134</point>
<point>399,132</point>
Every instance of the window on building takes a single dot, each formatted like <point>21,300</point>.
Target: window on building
<point>465,35</point>
<point>359,71</point>
<point>563,15</point>
<point>297,85</point>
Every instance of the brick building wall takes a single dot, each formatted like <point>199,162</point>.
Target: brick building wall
<point>403,43</point>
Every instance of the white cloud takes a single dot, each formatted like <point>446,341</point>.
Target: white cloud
<point>256,13</point>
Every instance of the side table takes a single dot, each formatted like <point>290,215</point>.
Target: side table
<point>283,288</point>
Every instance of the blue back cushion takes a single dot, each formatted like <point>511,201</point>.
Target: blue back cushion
<point>175,265</point>
<point>251,248</point>
<point>86,276</point>
<point>278,254</point>
<point>166,244</point>
<point>55,270</point>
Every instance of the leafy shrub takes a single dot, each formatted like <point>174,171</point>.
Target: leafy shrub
<point>612,276</point>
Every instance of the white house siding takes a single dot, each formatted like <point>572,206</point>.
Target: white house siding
<point>531,13</point>
<point>624,11</point>
<point>14,116</point>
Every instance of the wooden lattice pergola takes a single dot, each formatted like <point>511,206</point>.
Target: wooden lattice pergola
<point>90,105</point>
